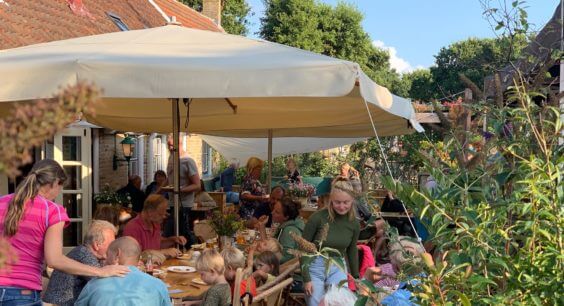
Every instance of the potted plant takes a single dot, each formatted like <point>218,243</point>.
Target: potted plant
<point>110,197</point>
<point>301,191</point>
<point>225,226</point>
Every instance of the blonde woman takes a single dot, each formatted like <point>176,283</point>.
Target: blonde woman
<point>33,224</point>
<point>252,192</point>
<point>342,236</point>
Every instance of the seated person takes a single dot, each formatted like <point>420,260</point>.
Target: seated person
<point>212,268</point>
<point>202,198</point>
<point>146,228</point>
<point>292,173</point>
<point>399,257</point>
<point>235,259</point>
<point>133,188</point>
<point>226,181</point>
<point>159,181</point>
<point>266,267</point>
<point>63,288</point>
<point>265,208</point>
<point>136,288</point>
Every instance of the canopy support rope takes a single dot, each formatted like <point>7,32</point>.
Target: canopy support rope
<point>390,170</point>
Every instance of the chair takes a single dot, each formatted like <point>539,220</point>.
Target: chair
<point>240,274</point>
<point>285,272</point>
<point>272,296</point>
<point>204,231</point>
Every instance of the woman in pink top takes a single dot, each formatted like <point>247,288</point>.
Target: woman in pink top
<point>33,226</point>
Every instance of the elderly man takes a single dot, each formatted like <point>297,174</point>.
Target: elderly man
<point>64,289</point>
<point>146,227</point>
<point>136,288</point>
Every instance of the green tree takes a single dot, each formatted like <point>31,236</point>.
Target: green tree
<point>234,14</point>
<point>475,58</point>
<point>421,86</point>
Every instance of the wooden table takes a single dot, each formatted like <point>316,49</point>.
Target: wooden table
<point>305,213</point>
<point>182,281</point>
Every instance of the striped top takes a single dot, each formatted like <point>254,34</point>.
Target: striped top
<point>27,244</point>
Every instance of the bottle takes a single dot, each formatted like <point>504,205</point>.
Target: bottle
<point>149,265</point>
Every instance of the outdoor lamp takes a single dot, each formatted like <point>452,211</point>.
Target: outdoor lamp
<point>127,145</point>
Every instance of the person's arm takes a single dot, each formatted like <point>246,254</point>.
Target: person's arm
<point>194,184</point>
<point>288,243</point>
<point>261,226</point>
<point>352,251</point>
<point>172,241</point>
<point>55,258</point>
<point>247,196</point>
<point>310,231</point>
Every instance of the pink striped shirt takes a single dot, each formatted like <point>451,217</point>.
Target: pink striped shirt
<point>27,244</point>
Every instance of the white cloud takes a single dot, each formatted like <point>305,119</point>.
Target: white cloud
<point>396,62</point>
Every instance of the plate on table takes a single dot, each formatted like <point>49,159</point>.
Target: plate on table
<point>198,281</point>
<point>185,256</point>
<point>181,269</point>
<point>157,272</point>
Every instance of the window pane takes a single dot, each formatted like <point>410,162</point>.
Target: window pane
<point>71,148</point>
<point>74,180</point>
<point>72,235</point>
<point>73,204</point>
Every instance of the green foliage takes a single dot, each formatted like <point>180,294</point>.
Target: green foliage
<point>234,14</point>
<point>496,214</point>
<point>475,58</point>
<point>226,225</point>
<point>333,31</point>
<point>108,196</point>
<point>421,85</point>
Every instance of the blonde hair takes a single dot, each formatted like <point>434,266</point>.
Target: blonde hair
<point>210,261</point>
<point>233,258</point>
<point>341,184</point>
<point>272,245</point>
<point>96,231</point>
<point>253,163</point>
<point>44,172</point>
<point>153,201</point>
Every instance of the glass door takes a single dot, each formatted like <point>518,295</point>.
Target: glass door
<point>72,149</point>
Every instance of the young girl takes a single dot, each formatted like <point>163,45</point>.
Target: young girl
<point>267,266</point>
<point>212,268</point>
<point>292,174</point>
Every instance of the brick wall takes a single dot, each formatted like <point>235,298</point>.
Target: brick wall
<point>118,178</point>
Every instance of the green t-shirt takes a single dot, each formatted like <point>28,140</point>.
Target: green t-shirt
<point>342,236</point>
<point>217,295</point>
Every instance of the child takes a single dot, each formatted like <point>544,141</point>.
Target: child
<point>271,245</point>
<point>212,268</point>
<point>267,267</point>
<point>235,259</point>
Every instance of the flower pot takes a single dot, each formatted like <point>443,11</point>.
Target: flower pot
<point>303,201</point>
<point>224,242</point>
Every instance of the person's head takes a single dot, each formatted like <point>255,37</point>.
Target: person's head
<point>254,167</point>
<point>276,194</point>
<point>154,208</point>
<point>286,209</point>
<point>135,180</point>
<point>160,176</point>
<point>233,259</point>
<point>342,199</point>
<point>211,266</point>
<point>270,245</point>
<point>99,236</point>
<point>124,251</point>
<point>46,178</point>
<point>291,164</point>
<point>268,262</point>
<point>345,169</point>
<point>108,213</point>
<point>398,250</point>
<point>182,149</point>
<point>234,163</point>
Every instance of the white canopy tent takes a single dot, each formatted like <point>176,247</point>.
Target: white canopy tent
<point>231,85</point>
<point>241,149</point>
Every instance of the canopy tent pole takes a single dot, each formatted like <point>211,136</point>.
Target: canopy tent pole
<point>176,163</point>
<point>269,179</point>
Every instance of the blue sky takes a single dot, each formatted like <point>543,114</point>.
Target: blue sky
<point>413,31</point>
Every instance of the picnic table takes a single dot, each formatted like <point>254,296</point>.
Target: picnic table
<point>182,281</point>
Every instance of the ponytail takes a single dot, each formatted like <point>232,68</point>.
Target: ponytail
<point>44,172</point>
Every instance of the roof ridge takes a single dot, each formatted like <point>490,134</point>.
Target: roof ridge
<point>199,13</point>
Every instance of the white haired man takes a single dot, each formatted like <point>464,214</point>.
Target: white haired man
<point>63,288</point>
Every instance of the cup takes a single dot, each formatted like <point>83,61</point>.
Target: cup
<point>196,254</point>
